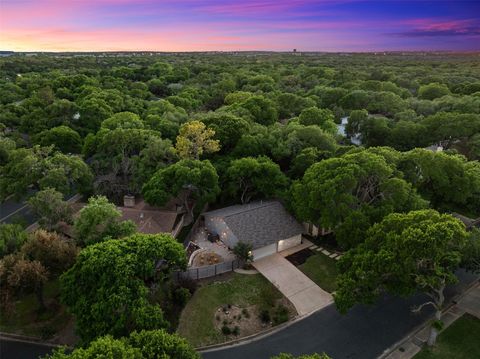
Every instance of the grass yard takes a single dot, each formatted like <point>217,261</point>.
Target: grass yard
<point>197,322</point>
<point>461,340</point>
<point>24,317</point>
<point>322,270</point>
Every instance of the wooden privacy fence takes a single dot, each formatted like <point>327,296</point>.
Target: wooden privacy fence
<point>208,271</point>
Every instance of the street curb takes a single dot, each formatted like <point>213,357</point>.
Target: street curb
<point>257,336</point>
<point>28,339</point>
<point>422,326</point>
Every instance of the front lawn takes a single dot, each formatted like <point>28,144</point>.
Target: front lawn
<point>239,293</point>
<point>322,270</point>
<point>25,318</point>
<point>461,340</point>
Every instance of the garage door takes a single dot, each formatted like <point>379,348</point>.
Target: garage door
<point>288,243</point>
<point>264,251</point>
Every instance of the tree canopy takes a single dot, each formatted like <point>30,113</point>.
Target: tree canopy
<point>113,297</point>
<point>403,254</point>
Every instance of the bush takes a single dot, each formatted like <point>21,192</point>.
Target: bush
<point>236,330</point>
<point>264,316</point>
<point>280,315</point>
<point>226,330</point>
<point>181,296</point>
<point>188,283</point>
<point>245,313</point>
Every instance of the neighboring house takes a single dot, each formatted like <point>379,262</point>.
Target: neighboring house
<point>469,223</point>
<point>266,225</point>
<point>434,148</point>
<point>315,231</point>
<point>149,220</point>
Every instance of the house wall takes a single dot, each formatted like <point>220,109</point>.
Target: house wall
<point>217,225</point>
<point>314,230</point>
<point>289,242</point>
<point>264,251</point>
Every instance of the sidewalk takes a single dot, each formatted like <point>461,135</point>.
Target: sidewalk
<point>469,302</point>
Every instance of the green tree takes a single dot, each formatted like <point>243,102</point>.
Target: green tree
<point>228,128</point>
<point>100,220</point>
<point>12,236</point>
<point>432,91</point>
<point>190,179</point>
<point>356,120</point>
<point>404,254</point>
<point>37,167</point>
<point>146,344</point>
<point>248,178</point>
<point>107,287</point>
<point>194,139</point>
<point>243,251</point>
<point>125,120</point>
<point>350,193</point>
<point>63,138</point>
<point>445,180</point>
<point>307,157</point>
<point>50,207</point>
<point>262,110</point>
<point>324,118</point>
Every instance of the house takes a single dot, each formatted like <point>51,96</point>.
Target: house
<point>148,219</point>
<point>266,225</point>
<point>469,223</point>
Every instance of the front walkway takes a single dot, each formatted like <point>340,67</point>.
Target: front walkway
<point>304,294</point>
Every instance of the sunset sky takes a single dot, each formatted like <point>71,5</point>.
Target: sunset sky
<point>196,25</point>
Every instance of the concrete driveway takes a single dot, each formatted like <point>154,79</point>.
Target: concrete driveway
<point>304,294</point>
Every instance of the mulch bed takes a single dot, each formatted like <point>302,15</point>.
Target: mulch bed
<point>300,257</point>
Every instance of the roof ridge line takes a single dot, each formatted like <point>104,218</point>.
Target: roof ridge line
<point>251,209</point>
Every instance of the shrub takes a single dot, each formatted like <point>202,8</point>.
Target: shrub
<point>188,283</point>
<point>265,316</point>
<point>245,313</point>
<point>236,330</point>
<point>182,296</point>
<point>280,315</point>
<point>226,330</point>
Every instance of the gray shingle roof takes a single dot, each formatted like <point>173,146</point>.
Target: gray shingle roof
<point>260,223</point>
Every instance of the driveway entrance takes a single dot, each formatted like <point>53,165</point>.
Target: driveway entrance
<point>304,294</point>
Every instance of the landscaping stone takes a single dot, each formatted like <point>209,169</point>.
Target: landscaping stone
<point>326,252</point>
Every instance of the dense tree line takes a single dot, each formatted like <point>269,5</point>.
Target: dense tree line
<point>224,129</point>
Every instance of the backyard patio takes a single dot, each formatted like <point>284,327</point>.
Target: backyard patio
<point>210,251</point>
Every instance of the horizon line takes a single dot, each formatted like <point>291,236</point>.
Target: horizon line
<point>236,51</point>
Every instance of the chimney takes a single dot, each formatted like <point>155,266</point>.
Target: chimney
<point>128,201</point>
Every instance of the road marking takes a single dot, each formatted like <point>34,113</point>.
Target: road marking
<point>11,214</point>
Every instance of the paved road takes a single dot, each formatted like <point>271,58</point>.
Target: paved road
<point>365,332</point>
<point>11,210</point>
<point>11,349</point>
